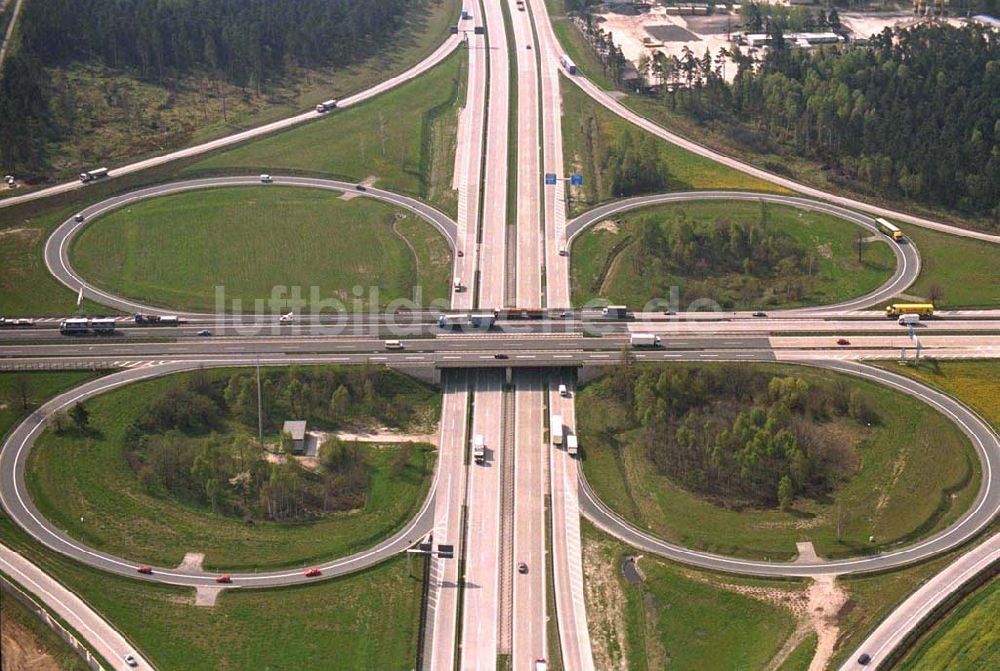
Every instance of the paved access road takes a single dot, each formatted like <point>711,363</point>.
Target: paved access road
<point>907,257</point>
<point>18,504</point>
<point>980,514</point>
<point>58,245</point>
<point>88,623</point>
<point>920,604</point>
<point>439,55</point>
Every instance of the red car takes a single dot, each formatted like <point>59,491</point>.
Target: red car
<point>224,578</point>
<point>843,341</point>
<point>144,570</point>
<point>313,572</point>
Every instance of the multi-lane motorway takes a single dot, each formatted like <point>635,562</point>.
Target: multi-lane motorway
<point>514,519</point>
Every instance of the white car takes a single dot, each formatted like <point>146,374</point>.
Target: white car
<point>131,660</point>
<point>265,179</point>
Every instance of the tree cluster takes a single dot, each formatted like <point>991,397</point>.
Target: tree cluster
<point>634,165</point>
<point>196,441</point>
<point>739,436</point>
<point>728,261</point>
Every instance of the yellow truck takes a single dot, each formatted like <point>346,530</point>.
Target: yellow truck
<point>920,309</point>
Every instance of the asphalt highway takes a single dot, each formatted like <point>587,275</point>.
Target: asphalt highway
<point>907,256</point>
<point>980,514</point>
<point>58,245</point>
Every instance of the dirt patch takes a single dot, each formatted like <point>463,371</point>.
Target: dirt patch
<point>205,596</point>
<point>22,651</point>
<point>384,435</point>
<point>898,466</point>
<point>825,250</point>
<point>606,605</point>
<point>367,181</point>
<point>192,562</point>
<point>26,235</point>
<point>609,225</point>
<point>826,599</point>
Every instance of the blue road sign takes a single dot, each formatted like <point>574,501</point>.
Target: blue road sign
<point>550,178</point>
<point>576,180</point>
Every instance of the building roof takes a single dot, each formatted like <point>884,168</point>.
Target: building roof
<point>295,428</point>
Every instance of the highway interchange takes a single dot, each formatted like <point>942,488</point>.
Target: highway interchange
<point>524,504</point>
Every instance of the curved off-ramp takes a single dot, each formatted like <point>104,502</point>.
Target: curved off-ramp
<point>907,256</point>
<point>978,517</point>
<point>18,504</point>
<point>57,247</point>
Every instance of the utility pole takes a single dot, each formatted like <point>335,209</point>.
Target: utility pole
<point>260,413</point>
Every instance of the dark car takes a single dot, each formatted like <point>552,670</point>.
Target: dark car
<point>145,570</point>
<point>361,187</point>
<point>500,356</point>
<point>78,217</point>
<point>759,313</point>
<point>461,253</point>
<point>522,567</point>
<point>131,660</point>
<point>843,341</point>
<point>864,659</point>
<point>204,332</point>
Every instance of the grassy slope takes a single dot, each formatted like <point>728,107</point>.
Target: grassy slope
<point>839,275</point>
<point>931,455</point>
<point>42,385</point>
<point>369,620</point>
<point>966,640</point>
<point>678,617</point>
<point>34,634</point>
<point>71,478</point>
<point>122,118</point>
<point>176,249</point>
<point>802,655</point>
<point>687,171</point>
<point>968,271</point>
<point>397,137</point>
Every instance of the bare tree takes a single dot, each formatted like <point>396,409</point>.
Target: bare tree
<point>22,387</point>
<point>935,293</point>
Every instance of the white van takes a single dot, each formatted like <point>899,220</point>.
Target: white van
<point>265,179</point>
<point>393,344</point>
<point>563,391</point>
<point>458,284</point>
<point>907,320</point>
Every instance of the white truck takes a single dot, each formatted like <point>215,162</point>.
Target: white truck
<point>557,430</point>
<point>91,175</point>
<point>326,106</point>
<point>571,445</point>
<point>908,319</point>
<point>615,312</point>
<point>568,63</point>
<point>644,340</point>
<point>479,448</point>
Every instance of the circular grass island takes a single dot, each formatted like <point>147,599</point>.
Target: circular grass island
<point>746,460</point>
<point>739,254</point>
<point>168,466</point>
<point>174,250</point>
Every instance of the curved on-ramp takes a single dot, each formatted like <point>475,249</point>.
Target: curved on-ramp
<point>907,256</point>
<point>980,514</point>
<point>18,504</point>
<point>58,245</point>
<point>442,52</point>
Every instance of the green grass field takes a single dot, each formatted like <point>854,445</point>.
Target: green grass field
<point>84,485</point>
<point>802,655</point>
<point>364,621</point>
<point>966,640</point>
<point>677,617</point>
<point>174,250</point>
<point>588,129</point>
<point>405,138</point>
<point>35,637</point>
<point>603,260</point>
<point>967,271</point>
<point>916,473</point>
<point>974,382</point>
